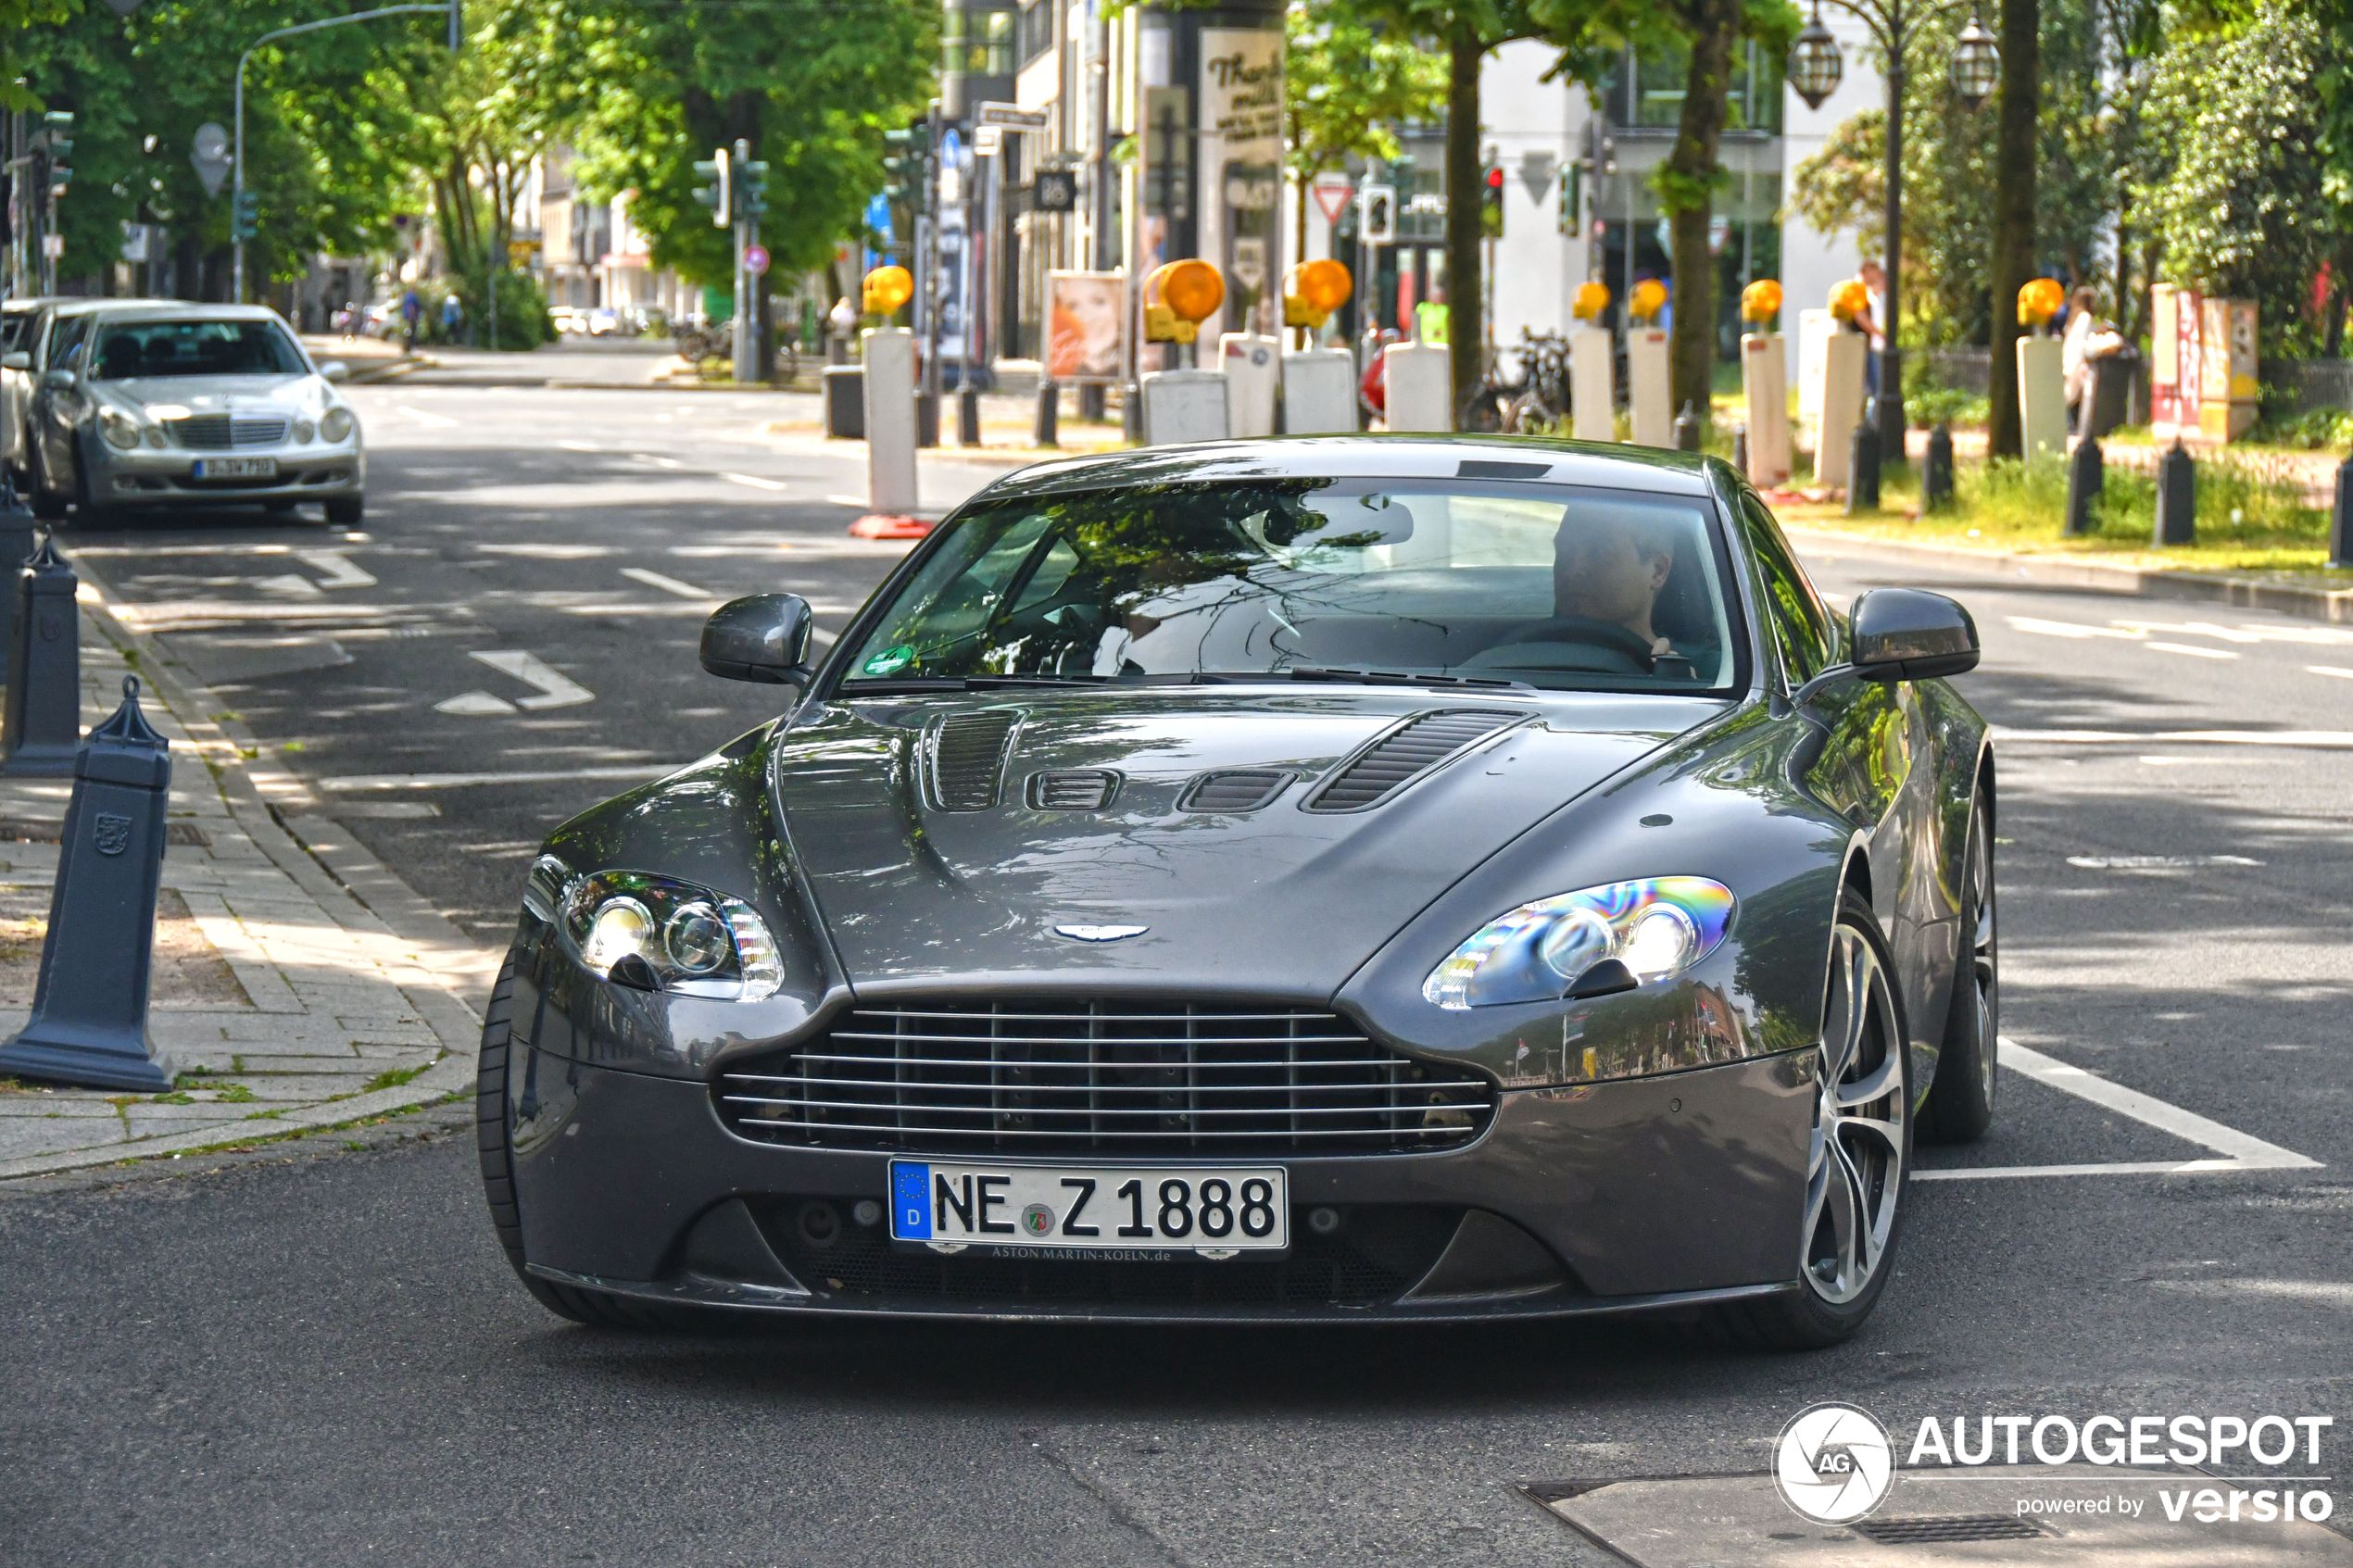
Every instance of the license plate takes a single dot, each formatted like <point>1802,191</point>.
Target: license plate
<point>236,467</point>
<point>1049,1210</point>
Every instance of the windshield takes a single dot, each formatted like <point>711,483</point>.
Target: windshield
<point>195,347</point>
<point>1550,585</point>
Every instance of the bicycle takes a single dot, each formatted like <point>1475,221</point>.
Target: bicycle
<point>1534,404</point>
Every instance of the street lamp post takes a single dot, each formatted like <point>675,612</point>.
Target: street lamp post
<point>1815,68</point>
<point>237,240</point>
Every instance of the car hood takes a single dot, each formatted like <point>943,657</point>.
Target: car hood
<point>1276,903</point>
<point>224,395</point>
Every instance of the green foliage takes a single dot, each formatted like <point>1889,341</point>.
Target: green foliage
<point>522,307</point>
<point>2315,430</point>
<point>1350,80</point>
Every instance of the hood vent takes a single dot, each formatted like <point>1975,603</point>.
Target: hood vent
<point>1233,792</point>
<point>1082,789</point>
<point>1404,755</point>
<point>968,759</point>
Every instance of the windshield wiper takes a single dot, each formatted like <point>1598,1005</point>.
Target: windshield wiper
<point>1400,678</point>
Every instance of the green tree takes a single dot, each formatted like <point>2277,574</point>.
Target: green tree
<point>1347,82</point>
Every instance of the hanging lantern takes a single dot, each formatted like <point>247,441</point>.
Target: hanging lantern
<point>1814,63</point>
<point>1977,64</point>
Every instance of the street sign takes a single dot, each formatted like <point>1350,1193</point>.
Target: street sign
<point>1055,190</point>
<point>519,252</point>
<point>1376,215</point>
<point>211,157</point>
<point>52,245</point>
<point>988,140</point>
<point>1012,117</point>
<point>755,259</point>
<point>134,242</point>
<point>1332,197</point>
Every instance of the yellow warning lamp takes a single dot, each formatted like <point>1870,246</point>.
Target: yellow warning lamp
<point>1590,301</point>
<point>1313,291</point>
<point>2038,300</point>
<point>887,289</point>
<point>1179,298</point>
<point>1648,299</point>
<point>1761,301</point>
<point>1850,301</point>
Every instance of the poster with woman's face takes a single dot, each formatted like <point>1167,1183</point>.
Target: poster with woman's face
<point>1090,312</point>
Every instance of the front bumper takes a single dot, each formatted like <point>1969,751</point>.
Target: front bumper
<point>149,476</point>
<point>1641,1195</point>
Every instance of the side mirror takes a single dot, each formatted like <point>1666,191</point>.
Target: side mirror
<point>763,638</point>
<point>58,380</point>
<point>1910,634</point>
<point>335,371</point>
<point>19,360</point>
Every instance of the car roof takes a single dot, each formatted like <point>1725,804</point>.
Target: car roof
<point>1372,457</point>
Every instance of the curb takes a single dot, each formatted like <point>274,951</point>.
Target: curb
<point>278,812</point>
<point>2334,604</point>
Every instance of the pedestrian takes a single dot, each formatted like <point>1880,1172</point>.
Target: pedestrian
<point>412,310</point>
<point>2087,340</point>
<point>453,316</point>
<point>1874,323</point>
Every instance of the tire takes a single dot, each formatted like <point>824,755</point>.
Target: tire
<point>1960,1098</point>
<point>346,510</point>
<point>48,504</point>
<point>1869,1160</point>
<point>492,1143</point>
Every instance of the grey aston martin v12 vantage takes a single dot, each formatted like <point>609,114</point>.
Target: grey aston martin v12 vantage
<point>1336,879</point>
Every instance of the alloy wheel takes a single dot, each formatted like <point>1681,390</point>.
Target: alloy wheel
<point>1984,970</point>
<point>1856,1173</point>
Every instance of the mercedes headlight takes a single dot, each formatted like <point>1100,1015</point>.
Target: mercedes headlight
<point>303,431</point>
<point>684,938</point>
<point>120,429</point>
<point>1538,952</point>
<point>336,424</point>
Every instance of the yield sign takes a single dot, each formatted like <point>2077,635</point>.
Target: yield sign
<point>1333,199</point>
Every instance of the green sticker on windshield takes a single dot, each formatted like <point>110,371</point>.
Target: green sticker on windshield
<point>891,661</point>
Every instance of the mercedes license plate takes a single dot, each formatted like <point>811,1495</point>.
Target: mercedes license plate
<point>236,467</point>
<point>1053,1210</point>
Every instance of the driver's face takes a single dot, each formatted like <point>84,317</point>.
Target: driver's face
<point>1599,571</point>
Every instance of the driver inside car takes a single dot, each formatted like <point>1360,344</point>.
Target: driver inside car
<point>1610,566</point>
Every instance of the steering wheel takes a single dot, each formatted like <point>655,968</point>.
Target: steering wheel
<point>1538,644</point>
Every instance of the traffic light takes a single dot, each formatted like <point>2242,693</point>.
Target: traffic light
<point>752,181</point>
<point>719,193</point>
<point>245,221</point>
<point>1491,202</point>
<point>56,131</point>
<point>902,165</point>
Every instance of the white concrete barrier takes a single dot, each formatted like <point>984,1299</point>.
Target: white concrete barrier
<point>1650,404</point>
<point>890,419</point>
<point>1418,387</point>
<point>1844,354</point>
<point>1182,406</point>
<point>1319,392</point>
<point>1592,384</point>
<point>1765,385</point>
<point>2042,400</point>
<point>1254,369</point>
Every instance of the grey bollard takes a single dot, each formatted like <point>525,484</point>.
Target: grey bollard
<point>2086,477</point>
<point>2341,519</point>
<point>43,726</point>
<point>1091,401</point>
<point>1687,430</point>
<point>89,1023</point>
<point>1936,483</point>
<point>18,525</point>
<point>1131,414</point>
<point>845,402</point>
<point>2176,497</point>
<point>1862,484</point>
<point>927,418</point>
<point>968,417</point>
<point>1740,451</point>
<point>1047,431</point>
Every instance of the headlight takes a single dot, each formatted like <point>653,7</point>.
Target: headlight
<point>1537,952</point>
<point>698,943</point>
<point>336,424</point>
<point>303,429</point>
<point>119,428</point>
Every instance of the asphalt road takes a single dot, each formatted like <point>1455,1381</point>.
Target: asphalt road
<point>325,1362</point>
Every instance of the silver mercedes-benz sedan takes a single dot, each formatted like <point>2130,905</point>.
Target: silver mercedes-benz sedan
<point>152,406</point>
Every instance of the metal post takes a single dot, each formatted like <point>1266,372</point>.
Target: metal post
<point>1936,484</point>
<point>17,530</point>
<point>42,727</point>
<point>746,345</point>
<point>1862,484</point>
<point>2085,479</point>
<point>2176,497</point>
<point>1740,450</point>
<point>2341,519</point>
<point>1891,357</point>
<point>1687,430</point>
<point>1045,433</point>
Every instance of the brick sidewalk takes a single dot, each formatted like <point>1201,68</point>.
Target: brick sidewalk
<point>297,983</point>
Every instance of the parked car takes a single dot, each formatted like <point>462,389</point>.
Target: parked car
<point>49,324</point>
<point>161,404</point>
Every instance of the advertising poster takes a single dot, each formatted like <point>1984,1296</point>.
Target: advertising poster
<point>1241,156</point>
<point>1087,315</point>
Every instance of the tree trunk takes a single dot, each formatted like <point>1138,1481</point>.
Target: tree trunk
<point>1463,188</point>
<point>2013,259</point>
<point>1690,200</point>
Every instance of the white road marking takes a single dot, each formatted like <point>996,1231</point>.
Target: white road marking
<point>2194,652</point>
<point>579,446</point>
<point>2329,669</point>
<point>2239,1151</point>
<point>358,783</point>
<point>857,501</point>
<point>439,422</point>
<point>555,690</point>
<point>292,586</point>
<point>473,705</point>
<point>755,482</point>
<point>2202,737</point>
<point>338,571</point>
<point>548,552</point>
<point>2070,628</point>
<point>2146,863</point>
<point>822,638</point>
<point>667,584</point>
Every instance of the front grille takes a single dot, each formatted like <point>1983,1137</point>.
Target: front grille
<point>1950,1527</point>
<point>1404,755</point>
<point>218,433</point>
<point>1141,1079</point>
<point>1380,1251</point>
